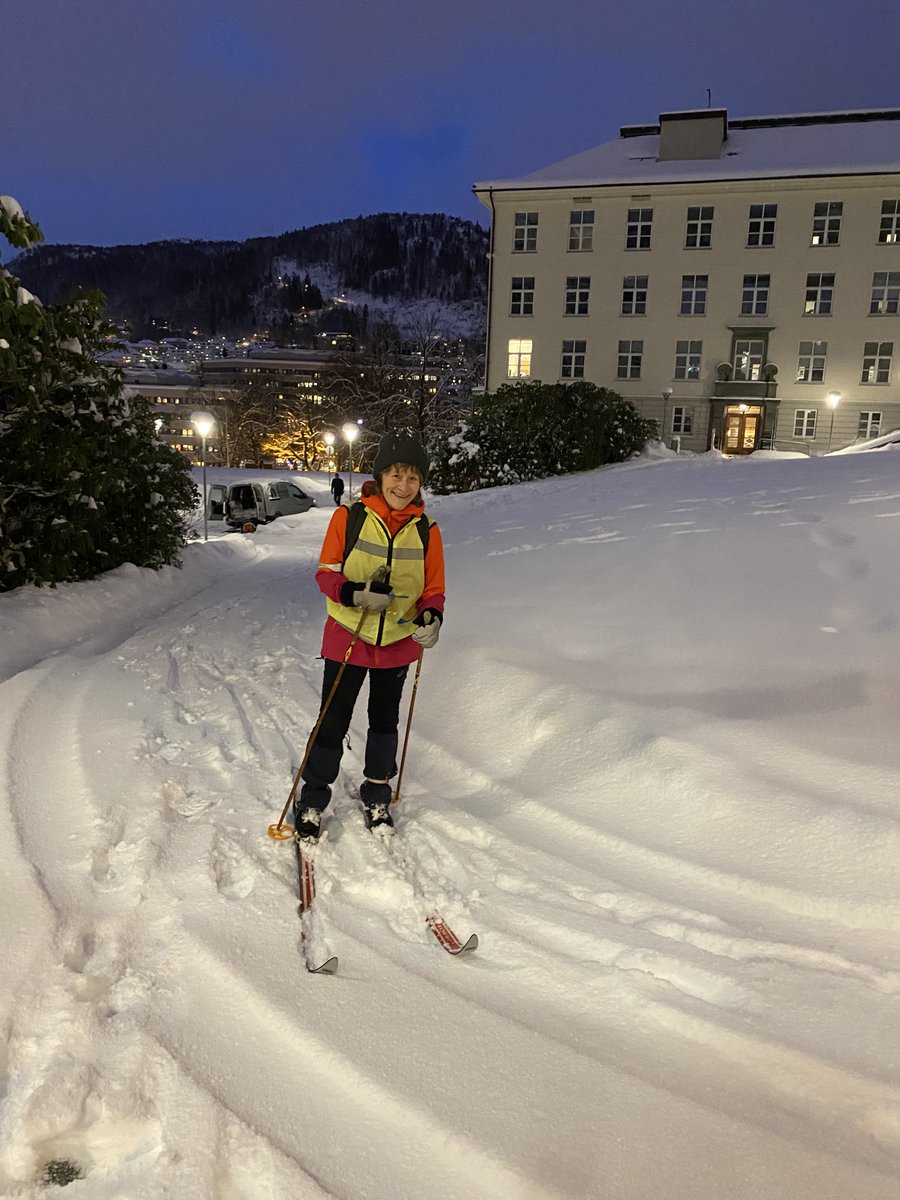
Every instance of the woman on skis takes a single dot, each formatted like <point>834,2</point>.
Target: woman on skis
<point>384,592</point>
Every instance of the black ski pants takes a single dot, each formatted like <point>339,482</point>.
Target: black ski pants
<point>323,764</point>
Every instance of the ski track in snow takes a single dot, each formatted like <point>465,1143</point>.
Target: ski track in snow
<point>165,1034</point>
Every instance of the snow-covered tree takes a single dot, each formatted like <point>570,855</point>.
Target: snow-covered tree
<point>533,430</point>
<point>84,485</point>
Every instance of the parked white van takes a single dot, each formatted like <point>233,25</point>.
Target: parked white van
<point>255,502</point>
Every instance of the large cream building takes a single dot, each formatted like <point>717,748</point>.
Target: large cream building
<point>738,280</point>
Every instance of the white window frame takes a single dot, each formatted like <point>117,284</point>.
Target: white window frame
<point>634,295</point>
<point>868,425</point>
<point>639,229</point>
<point>525,232</point>
<point>805,422</point>
<point>750,353</point>
<point>694,295</point>
<point>521,296</point>
<point>688,359</point>
<point>826,226</point>
<point>698,227</point>
<point>630,358</point>
<point>682,420</point>
<point>877,362</point>
<point>889,230</point>
<point>761,224</point>
<point>811,361</point>
<point>885,294</point>
<point>574,352</point>
<point>581,230</point>
<point>518,358</point>
<point>755,295</point>
<point>819,299</point>
<point>578,296</point>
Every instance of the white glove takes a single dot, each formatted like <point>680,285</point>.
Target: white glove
<point>376,597</point>
<point>430,629</point>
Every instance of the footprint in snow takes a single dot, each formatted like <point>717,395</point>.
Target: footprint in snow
<point>234,872</point>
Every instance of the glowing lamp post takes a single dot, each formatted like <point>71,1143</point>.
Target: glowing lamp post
<point>203,422</point>
<point>834,399</point>
<point>351,433</point>
<point>328,439</point>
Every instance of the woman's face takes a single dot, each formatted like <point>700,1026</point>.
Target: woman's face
<point>400,485</point>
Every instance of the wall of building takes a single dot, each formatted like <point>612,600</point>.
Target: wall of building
<point>788,262</point>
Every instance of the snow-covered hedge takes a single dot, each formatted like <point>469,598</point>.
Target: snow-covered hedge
<point>533,430</point>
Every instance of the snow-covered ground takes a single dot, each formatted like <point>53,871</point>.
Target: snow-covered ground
<point>654,764</point>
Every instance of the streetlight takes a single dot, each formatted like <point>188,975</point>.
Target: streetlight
<point>834,399</point>
<point>328,439</point>
<point>351,433</point>
<point>667,396</point>
<point>203,422</point>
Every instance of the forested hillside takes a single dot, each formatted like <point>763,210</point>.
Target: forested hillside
<point>232,287</point>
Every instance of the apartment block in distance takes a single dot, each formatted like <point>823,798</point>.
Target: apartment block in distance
<point>737,280</point>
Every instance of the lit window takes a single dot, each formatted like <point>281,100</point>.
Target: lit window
<point>518,358</point>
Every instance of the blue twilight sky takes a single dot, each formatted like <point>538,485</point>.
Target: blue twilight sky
<point>135,120</point>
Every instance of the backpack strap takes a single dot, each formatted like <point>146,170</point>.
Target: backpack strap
<point>356,518</point>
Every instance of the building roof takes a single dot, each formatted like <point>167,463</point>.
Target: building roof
<point>778,147</point>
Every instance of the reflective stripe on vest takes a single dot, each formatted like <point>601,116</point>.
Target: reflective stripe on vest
<point>405,557</point>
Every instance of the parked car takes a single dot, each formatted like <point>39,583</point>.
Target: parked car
<point>253,502</point>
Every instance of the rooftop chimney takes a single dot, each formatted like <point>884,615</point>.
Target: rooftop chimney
<point>696,134</point>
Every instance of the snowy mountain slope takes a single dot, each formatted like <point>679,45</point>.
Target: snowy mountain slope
<point>653,764</point>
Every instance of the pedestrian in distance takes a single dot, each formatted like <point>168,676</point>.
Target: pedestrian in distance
<point>337,488</point>
<point>383,583</point>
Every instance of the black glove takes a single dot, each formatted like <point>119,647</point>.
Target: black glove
<point>374,595</point>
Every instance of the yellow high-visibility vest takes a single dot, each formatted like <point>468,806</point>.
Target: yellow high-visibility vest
<point>405,558</point>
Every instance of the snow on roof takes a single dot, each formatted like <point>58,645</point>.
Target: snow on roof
<point>805,144</point>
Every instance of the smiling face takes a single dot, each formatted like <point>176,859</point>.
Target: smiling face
<point>400,485</point>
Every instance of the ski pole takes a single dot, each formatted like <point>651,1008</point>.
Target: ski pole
<point>412,705</point>
<point>278,831</point>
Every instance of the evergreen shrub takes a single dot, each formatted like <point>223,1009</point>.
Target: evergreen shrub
<point>84,484</point>
<point>534,430</point>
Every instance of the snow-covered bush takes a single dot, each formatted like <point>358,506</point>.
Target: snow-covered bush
<point>78,463</point>
<point>533,430</point>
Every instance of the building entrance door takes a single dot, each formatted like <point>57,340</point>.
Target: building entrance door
<point>742,424</point>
